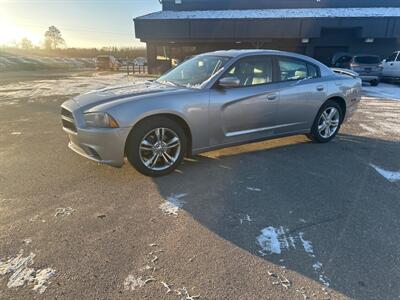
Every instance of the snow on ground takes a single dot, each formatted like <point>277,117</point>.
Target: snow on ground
<point>172,205</point>
<point>375,118</point>
<point>276,13</point>
<point>10,62</point>
<point>21,273</point>
<point>383,90</point>
<point>274,241</point>
<point>41,90</point>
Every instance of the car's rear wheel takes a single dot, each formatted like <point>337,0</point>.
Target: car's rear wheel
<point>156,146</point>
<point>327,123</point>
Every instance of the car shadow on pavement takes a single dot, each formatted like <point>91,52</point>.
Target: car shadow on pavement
<point>334,218</point>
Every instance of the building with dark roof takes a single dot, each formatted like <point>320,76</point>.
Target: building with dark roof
<point>318,28</point>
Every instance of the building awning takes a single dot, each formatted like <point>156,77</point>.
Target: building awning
<point>363,12</point>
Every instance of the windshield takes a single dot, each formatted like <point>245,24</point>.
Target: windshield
<point>367,59</point>
<point>195,71</point>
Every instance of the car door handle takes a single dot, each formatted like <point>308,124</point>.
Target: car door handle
<point>272,97</point>
<point>391,64</point>
<point>320,88</point>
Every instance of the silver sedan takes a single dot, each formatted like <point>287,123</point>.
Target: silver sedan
<point>210,101</point>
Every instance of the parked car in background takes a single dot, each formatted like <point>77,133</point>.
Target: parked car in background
<point>140,61</point>
<point>391,67</point>
<point>342,60</point>
<point>210,101</point>
<point>107,62</point>
<point>369,67</point>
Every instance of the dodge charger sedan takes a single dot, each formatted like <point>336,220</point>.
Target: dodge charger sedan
<point>210,101</point>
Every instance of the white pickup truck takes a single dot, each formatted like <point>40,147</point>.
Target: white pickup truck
<point>391,67</point>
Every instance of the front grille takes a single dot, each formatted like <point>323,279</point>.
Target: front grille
<point>67,119</point>
<point>66,113</point>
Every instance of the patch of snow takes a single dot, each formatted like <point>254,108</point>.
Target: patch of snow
<point>324,280</point>
<point>358,12</point>
<point>41,278</point>
<point>383,91</point>
<point>275,240</point>
<point>391,176</point>
<point>48,90</point>
<point>272,240</point>
<point>67,211</point>
<point>307,245</point>
<point>253,189</point>
<point>22,274</point>
<point>132,283</point>
<point>246,218</point>
<point>172,205</point>
<point>27,241</point>
<point>10,62</point>
<point>317,266</point>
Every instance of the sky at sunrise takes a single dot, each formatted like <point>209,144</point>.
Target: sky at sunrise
<point>83,23</point>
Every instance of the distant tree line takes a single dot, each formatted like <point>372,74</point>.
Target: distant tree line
<point>55,45</point>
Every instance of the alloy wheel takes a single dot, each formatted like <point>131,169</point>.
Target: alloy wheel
<point>160,149</point>
<point>329,122</point>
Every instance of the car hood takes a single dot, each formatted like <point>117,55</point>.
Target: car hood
<point>112,93</point>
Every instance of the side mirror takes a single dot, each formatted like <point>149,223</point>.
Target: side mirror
<point>229,82</point>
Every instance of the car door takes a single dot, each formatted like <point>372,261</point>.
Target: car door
<point>396,66</point>
<point>248,111</point>
<point>301,92</point>
<point>389,66</point>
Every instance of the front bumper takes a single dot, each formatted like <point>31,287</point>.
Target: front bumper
<point>105,146</point>
<point>102,145</point>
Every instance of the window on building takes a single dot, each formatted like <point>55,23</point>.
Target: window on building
<point>252,71</point>
<point>294,69</point>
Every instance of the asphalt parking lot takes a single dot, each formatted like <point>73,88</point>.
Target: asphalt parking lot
<point>281,219</point>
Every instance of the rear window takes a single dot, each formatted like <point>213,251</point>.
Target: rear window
<point>367,59</point>
<point>295,69</point>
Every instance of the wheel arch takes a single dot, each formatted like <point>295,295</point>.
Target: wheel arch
<point>342,103</point>
<point>178,119</point>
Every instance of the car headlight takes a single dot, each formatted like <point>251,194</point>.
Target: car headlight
<point>100,120</point>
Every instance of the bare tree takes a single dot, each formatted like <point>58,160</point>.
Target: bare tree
<point>53,38</point>
<point>26,43</point>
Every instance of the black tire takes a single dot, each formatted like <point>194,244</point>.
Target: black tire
<point>374,82</point>
<point>315,135</point>
<point>140,131</point>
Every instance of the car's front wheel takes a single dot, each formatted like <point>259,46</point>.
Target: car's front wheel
<point>156,146</point>
<point>327,123</point>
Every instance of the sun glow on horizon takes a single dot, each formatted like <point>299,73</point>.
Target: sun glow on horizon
<point>12,33</point>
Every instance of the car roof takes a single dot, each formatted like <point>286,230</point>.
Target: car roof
<point>248,52</point>
<point>235,53</point>
<point>243,52</point>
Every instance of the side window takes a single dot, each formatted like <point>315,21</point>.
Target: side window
<point>312,71</point>
<point>294,69</point>
<point>392,57</point>
<point>252,71</point>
